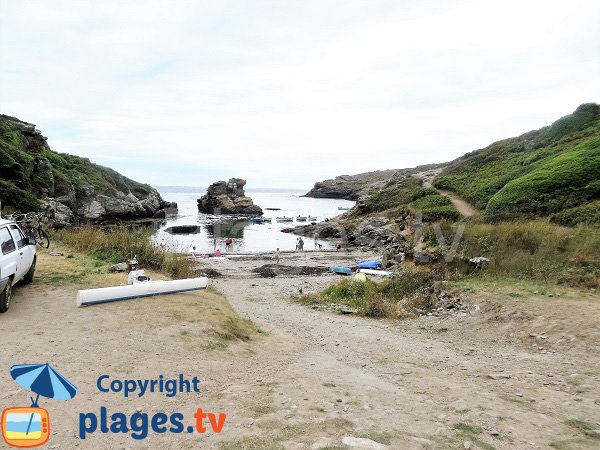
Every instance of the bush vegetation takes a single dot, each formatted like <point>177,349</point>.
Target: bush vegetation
<point>393,297</point>
<point>409,194</point>
<point>535,250</point>
<point>539,173</point>
<point>119,244</point>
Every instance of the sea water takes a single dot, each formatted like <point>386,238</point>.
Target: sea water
<point>246,236</point>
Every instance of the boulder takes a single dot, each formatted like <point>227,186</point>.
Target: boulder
<point>228,198</point>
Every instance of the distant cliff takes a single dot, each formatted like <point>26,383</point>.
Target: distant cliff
<point>353,187</point>
<point>350,187</point>
<point>71,188</point>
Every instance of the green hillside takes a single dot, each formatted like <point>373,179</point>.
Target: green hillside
<point>409,195</point>
<point>552,172</point>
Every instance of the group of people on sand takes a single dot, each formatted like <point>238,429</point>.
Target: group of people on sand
<point>299,245</point>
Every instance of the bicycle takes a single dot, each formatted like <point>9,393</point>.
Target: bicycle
<point>31,224</point>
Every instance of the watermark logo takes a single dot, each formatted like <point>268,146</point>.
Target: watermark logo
<point>26,427</point>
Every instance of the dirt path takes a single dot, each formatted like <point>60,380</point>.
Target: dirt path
<point>316,377</point>
<point>463,207</point>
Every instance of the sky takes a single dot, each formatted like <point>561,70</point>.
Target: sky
<point>287,93</point>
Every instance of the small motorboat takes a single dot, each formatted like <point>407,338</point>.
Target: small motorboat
<point>300,219</point>
<point>257,220</point>
<point>266,219</point>
<point>341,270</point>
<point>285,219</point>
<point>312,218</point>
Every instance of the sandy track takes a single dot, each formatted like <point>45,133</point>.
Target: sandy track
<point>315,375</point>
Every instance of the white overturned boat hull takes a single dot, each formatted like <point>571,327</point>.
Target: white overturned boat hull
<point>151,288</point>
<point>379,273</point>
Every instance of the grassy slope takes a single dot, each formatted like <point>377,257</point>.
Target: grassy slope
<point>540,173</point>
<point>409,195</point>
<point>22,182</point>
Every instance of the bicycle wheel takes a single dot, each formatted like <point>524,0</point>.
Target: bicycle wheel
<point>42,238</point>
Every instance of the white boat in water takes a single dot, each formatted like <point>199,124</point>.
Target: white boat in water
<point>312,219</point>
<point>285,219</point>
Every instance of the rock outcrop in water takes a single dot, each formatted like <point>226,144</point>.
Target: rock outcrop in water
<point>69,188</point>
<point>228,198</point>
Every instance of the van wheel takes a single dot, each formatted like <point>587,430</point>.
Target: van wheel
<point>28,278</point>
<point>5,297</point>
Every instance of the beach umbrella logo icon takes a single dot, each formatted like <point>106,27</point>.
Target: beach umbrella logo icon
<point>26,427</point>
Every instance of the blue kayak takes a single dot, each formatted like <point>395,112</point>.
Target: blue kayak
<point>341,270</point>
<point>369,265</point>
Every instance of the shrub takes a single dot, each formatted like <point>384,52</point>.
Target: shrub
<point>393,297</point>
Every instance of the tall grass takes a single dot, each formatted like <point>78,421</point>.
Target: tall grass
<point>535,250</point>
<point>119,244</point>
<point>394,297</point>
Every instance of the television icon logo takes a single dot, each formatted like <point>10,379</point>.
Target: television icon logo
<point>25,427</point>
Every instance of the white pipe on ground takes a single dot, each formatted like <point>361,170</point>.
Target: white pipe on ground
<point>116,293</point>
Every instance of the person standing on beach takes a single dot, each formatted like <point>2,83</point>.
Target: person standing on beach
<point>214,244</point>
<point>297,244</point>
<point>194,253</point>
<point>301,244</point>
<point>228,244</point>
<point>316,242</point>
<point>276,256</point>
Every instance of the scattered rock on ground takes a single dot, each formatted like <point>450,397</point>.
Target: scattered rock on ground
<point>120,267</point>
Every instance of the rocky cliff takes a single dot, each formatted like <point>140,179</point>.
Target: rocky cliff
<point>354,187</point>
<point>70,188</point>
<point>228,198</point>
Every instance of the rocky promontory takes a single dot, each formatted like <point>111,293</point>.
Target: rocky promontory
<point>355,187</point>
<point>350,187</point>
<point>228,198</point>
<point>68,188</point>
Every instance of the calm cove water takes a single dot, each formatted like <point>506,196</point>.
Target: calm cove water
<point>247,236</point>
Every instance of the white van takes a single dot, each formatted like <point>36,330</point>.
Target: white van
<point>17,260</point>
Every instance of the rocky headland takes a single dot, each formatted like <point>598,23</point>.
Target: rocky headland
<point>228,198</point>
<point>70,189</point>
<point>355,187</point>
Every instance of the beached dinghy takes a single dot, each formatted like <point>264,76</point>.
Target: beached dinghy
<point>369,265</point>
<point>376,273</point>
<point>341,270</point>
